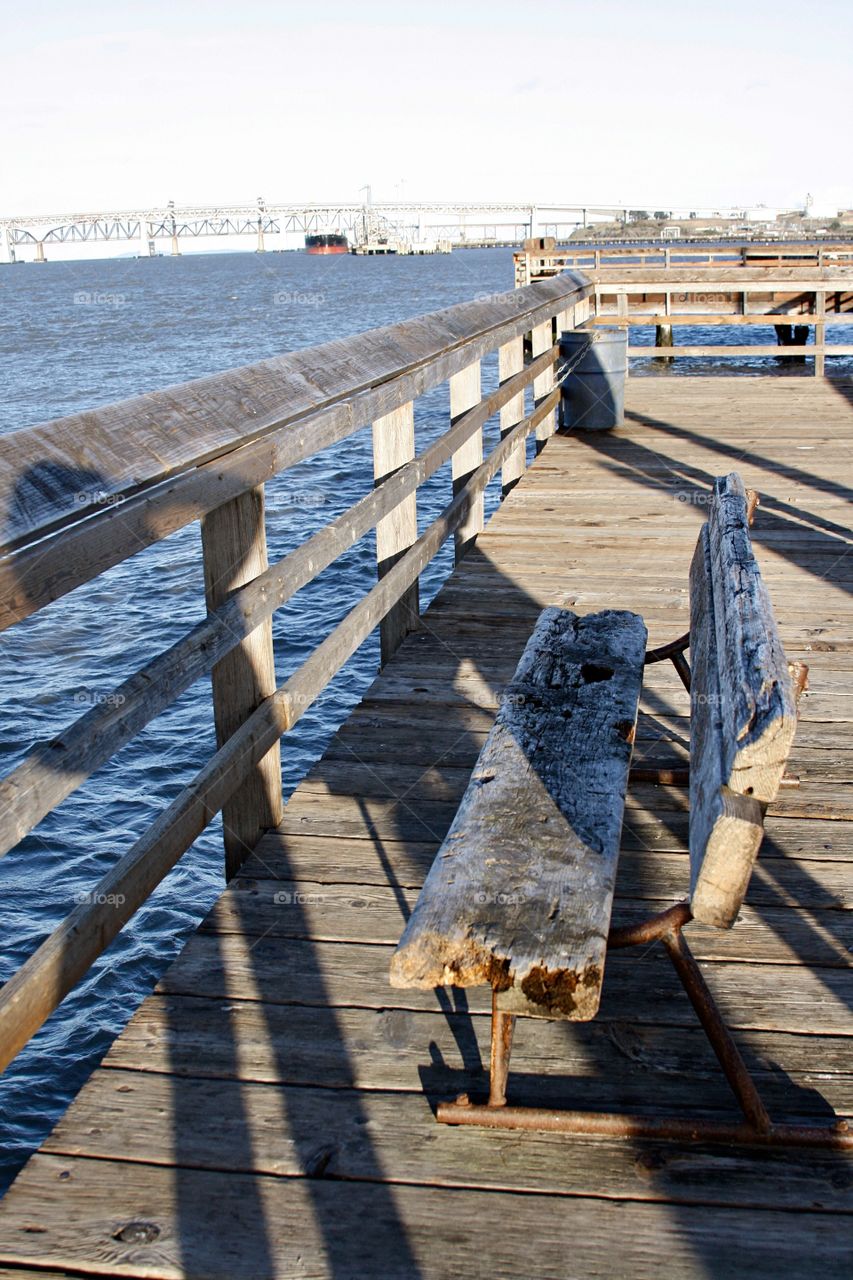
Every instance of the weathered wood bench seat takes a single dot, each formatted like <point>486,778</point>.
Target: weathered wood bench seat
<point>520,894</point>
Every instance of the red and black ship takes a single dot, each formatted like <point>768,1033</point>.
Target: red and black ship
<point>328,242</point>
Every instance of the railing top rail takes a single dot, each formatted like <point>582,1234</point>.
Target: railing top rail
<point>800,273</point>
<point>698,246</point>
<point>60,472</point>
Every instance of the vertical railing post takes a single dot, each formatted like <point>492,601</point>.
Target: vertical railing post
<point>234,546</point>
<point>542,339</point>
<point>465,392</point>
<point>393,447</point>
<point>564,322</point>
<point>511,362</point>
<point>819,332</point>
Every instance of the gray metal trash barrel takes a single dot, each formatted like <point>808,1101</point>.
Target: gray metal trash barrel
<point>593,396</point>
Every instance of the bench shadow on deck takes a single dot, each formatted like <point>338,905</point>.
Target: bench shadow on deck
<point>267,1112</point>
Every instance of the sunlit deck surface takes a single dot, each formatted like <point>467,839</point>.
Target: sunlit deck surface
<point>268,1111</point>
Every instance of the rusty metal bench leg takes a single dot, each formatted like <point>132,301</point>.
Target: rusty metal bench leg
<point>503,1026</point>
<point>668,928</point>
<point>756,1129</point>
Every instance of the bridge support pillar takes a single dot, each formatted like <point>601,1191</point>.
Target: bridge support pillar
<point>146,240</point>
<point>261,247</point>
<point>40,252</point>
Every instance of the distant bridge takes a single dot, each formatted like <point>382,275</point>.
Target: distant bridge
<point>456,221</point>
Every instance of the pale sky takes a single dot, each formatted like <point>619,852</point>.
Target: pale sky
<point>117,105</point>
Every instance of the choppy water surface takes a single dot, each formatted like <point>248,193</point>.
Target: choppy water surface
<point>76,335</point>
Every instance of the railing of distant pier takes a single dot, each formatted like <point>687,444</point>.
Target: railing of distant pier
<point>730,297</point>
<point>86,492</point>
<point>631,295</point>
<point>543,258</point>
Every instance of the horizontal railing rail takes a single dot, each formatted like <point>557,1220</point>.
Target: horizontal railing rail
<point>204,451</point>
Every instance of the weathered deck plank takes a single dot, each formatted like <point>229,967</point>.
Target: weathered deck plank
<point>244,1226</point>
<point>275,1060</point>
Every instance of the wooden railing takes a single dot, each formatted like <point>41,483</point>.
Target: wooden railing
<point>542,258</point>
<point>86,492</point>
<point>801,296</point>
<point>731,297</point>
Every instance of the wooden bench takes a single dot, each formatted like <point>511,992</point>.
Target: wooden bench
<point>519,896</point>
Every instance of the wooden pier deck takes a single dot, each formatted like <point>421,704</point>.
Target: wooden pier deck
<point>267,1112</point>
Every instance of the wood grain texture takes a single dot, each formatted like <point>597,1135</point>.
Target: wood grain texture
<point>520,892</point>
<point>333,911</point>
<point>116,1218</point>
<point>541,339</point>
<point>465,394</point>
<point>393,447</point>
<point>726,828</point>
<point>234,550</point>
<point>291,1127</point>
<point>511,362</point>
<point>757,707</point>
<point>767,997</point>
<point>743,712</point>
<point>585,1063</point>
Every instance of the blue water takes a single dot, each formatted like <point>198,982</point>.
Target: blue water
<point>76,335</point>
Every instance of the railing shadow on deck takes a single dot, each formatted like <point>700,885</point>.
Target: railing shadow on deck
<point>777,516</point>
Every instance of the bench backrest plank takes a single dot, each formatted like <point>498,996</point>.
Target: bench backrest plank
<point>520,893</point>
<point>757,696</point>
<point>725,827</point>
<point>743,712</point>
